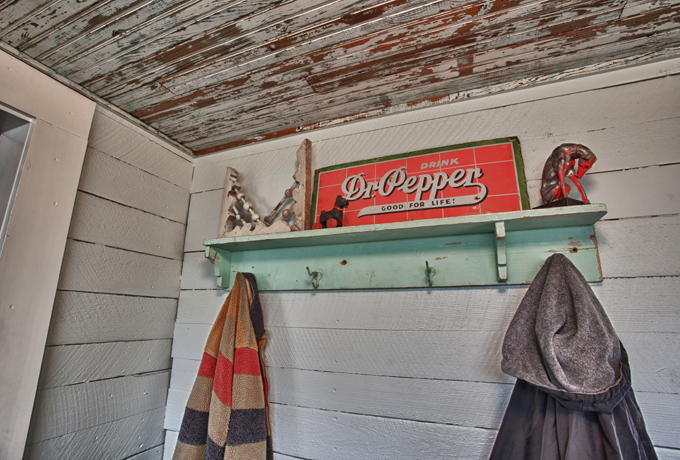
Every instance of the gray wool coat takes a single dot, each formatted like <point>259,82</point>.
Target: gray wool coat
<point>573,398</point>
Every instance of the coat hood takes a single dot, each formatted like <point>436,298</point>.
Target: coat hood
<point>560,338</point>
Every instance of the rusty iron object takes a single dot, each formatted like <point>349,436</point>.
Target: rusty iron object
<point>570,161</point>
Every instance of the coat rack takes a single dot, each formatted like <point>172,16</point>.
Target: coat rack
<point>488,249</point>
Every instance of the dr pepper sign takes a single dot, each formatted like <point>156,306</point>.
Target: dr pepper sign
<point>458,180</point>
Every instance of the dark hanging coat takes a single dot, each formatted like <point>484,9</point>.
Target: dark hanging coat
<point>573,398</point>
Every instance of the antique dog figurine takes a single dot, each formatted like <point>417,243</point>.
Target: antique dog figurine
<point>335,213</point>
<point>567,160</point>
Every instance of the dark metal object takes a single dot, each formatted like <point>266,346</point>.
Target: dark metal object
<point>316,277</point>
<point>566,161</point>
<point>335,213</point>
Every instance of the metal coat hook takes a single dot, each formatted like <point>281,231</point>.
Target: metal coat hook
<point>430,272</point>
<point>316,277</point>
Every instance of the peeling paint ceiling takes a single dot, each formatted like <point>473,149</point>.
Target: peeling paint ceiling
<point>215,74</point>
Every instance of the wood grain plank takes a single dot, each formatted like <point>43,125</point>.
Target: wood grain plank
<point>83,317</point>
<point>117,439</point>
<point>633,305</point>
<point>115,180</point>
<point>84,27</point>
<point>117,138</point>
<point>75,364</point>
<point>336,20</point>
<point>63,410</point>
<point>101,221</point>
<point>95,268</point>
<point>197,272</point>
<point>153,34</point>
<point>14,13</point>
<point>38,25</point>
<point>639,247</point>
<point>139,23</point>
<point>398,75</point>
<point>269,26</point>
<point>271,128</point>
<point>408,91</point>
<point>462,25</point>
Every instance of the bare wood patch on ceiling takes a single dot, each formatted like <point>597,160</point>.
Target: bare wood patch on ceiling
<point>214,74</point>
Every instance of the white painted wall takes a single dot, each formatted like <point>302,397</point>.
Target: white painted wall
<point>36,235</point>
<point>416,373</point>
<point>105,375</point>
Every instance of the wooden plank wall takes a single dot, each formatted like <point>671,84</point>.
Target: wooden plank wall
<point>105,374</point>
<point>416,373</point>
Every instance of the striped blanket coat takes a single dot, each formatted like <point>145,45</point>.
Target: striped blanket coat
<point>226,415</point>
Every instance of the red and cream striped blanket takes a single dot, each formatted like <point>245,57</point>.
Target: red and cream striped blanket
<point>226,415</point>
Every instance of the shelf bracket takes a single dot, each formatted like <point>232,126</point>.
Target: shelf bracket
<point>501,257</point>
<point>221,261</point>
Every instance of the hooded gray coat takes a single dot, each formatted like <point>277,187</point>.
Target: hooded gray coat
<point>573,398</point>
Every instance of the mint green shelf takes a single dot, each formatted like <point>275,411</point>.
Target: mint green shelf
<point>489,249</point>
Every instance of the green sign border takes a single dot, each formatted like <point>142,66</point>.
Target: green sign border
<point>516,148</point>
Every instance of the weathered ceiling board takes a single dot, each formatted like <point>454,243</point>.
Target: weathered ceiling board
<point>216,74</point>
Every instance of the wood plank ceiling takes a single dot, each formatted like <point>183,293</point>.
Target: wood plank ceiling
<point>215,74</point>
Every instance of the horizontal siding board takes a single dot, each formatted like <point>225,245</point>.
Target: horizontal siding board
<point>633,305</point>
<point>116,138</point>
<point>96,268</point>
<point>630,194</point>
<point>639,247</point>
<point>668,454</point>
<point>197,272</point>
<point>96,220</point>
<point>332,435</point>
<point>74,364</point>
<point>451,355</point>
<point>117,439</point>
<point>661,414</point>
<point>466,404</point>
<point>360,436</point>
<point>152,454</point>
<point>63,410</point>
<point>83,317</point>
<point>115,180</point>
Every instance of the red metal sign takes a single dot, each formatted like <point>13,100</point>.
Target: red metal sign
<point>459,180</point>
